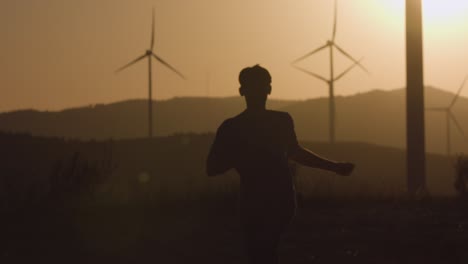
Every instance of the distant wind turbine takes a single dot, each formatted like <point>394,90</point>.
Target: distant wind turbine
<point>331,81</point>
<point>149,54</point>
<point>450,116</point>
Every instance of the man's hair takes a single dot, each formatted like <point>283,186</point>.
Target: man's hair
<point>254,77</point>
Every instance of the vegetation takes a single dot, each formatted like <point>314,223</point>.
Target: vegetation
<point>171,170</point>
<point>461,179</point>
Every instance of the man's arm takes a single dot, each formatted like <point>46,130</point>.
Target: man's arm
<point>307,158</point>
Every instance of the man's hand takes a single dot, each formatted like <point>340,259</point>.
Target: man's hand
<point>344,168</point>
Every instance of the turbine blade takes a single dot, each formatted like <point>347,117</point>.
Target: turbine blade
<point>335,20</point>
<point>347,70</point>
<point>152,32</point>
<point>311,53</point>
<point>458,93</point>
<point>169,66</point>
<point>131,63</point>
<point>350,57</point>
<point>312,74</point>
<point>452,116</point>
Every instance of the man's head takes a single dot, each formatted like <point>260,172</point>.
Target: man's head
<point>255,82</point>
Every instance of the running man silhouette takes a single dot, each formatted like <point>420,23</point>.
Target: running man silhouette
<point>258,143</point>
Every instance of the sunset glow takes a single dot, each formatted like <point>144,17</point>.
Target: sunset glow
<point>439,16</point>
<point>55,57</point>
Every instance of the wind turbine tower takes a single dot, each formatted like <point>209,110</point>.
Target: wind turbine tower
<point>415,134</point>
<point>149,54</point>
<point>450,117</point>
<point>331,45</point>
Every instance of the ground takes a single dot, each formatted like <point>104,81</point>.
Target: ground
<point>323,231</point>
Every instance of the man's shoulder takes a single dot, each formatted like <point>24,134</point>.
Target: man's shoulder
<point>227,123</point>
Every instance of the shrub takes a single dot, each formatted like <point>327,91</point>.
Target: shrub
<point>461,178</point>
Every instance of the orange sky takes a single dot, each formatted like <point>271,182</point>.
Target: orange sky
<point>57,54</point>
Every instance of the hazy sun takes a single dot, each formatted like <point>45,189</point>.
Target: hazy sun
<point>439,15</point>
<point>445,11</point>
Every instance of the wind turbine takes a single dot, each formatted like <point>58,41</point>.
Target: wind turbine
<point>331,44</point>
<point>149,54</point>
<point>450,116</point>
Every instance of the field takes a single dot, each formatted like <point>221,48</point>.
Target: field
<point>140,201</point>
<point>324,231</point>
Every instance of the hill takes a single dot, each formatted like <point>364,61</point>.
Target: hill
<point>376,117</point>
<point>128,119</point>
<point>379,117</point>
